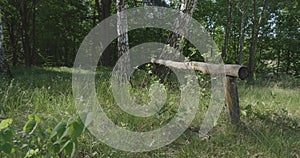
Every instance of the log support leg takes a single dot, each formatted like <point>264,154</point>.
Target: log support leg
<point>232,100</point>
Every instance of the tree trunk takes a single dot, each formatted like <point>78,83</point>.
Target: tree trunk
<point>13,40</point>
<point>98,8</point>
<point>104,12</point>
<point>33,34</point>
<point>228,23</point>
<point>24,12</point>
<point>122,28</point>
<point>278,61</point>
<point>255,31</point>
<point>4,67</point>
<point>123,43</point>
<point>187,7</point>
<point>288,64</point>
<point>242,35</point>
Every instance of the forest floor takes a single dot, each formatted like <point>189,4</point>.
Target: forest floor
<point>39,118</point>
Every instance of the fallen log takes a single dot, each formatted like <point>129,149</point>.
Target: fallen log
<point>208,68</point>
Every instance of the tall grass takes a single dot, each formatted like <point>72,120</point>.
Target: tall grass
<point>270,125</point>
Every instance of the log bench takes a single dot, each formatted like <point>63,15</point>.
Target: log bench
<point>232,72</point>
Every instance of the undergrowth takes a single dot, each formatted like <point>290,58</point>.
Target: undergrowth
<point>39,118</point>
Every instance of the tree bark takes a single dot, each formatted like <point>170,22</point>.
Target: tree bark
<point>288,60</point>
<point>4,67</point>
<point>278,61</point>
<point>208,68</point>
<point>122,28</point>
<point>242,35</point>
<point>13,38</point>
<point>255,31</point>
<point>228,23</point>
<point>123,43</point>
<point>232,100</point>
<point>104,12</point>
<point>187,7</point>
<point>33,33</point>
<point>25,19</point>
<point>98,8</point>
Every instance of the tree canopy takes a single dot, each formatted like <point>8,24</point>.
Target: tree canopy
<point>48,33</point>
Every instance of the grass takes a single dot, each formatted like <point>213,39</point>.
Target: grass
<point>270,117</point>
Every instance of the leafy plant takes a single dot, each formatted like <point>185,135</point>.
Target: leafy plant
<point>64,137</point>
<point>6,136</point>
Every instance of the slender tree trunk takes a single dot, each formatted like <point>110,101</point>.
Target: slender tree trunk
<point>4,67</point>
<point>123,42</point>
<point>122,28</point>
<point>255,31</point>
<point>288,60</point>
<point>98,8</point>
<point>242,36</point>
<point>174,40</point>
<point>135,3</point>
<point>24,12</point>
<point>156,2</point>
<point>94,20</point>
<point>228,23</point>
<point>278,61</point>
<point>104,12</point>
<point>13,40</point>
<point>187,7</point>
<point>33,34</point>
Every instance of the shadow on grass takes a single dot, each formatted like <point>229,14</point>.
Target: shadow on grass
<point>274,132</point>
<point>267,134</point>
<point>284,81</point>
<point>37,76</point>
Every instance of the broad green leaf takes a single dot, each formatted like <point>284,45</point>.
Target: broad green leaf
<point>32,153</point>
<point>6,148</point>
<point>75,129</point>
<point>56,147</point>
<point>7,135</point>
<point>243,112</point>
<point>65,145</point>
<point>70,149</point>
<point>5,123</point>
<point>66,133</point>
<point>31,124</point>
<point>59,129</point>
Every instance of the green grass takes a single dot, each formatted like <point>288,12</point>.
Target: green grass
<point>270,111</point>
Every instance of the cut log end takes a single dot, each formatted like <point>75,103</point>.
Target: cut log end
<point>243,73</point>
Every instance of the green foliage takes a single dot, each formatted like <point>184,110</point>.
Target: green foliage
<point>42,121</point>
<point>58,28</point>
<point>31,124</point>
<point>6,136</point>
<point>64,137</point>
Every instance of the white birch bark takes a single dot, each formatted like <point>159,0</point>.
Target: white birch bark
<point>3,64</point>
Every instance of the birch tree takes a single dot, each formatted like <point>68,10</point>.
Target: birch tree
<point>123,44</point>
<point>4,67</point>
<point>175,40</point>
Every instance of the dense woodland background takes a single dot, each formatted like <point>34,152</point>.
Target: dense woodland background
<point>49,33</point>
<point>38,115</point>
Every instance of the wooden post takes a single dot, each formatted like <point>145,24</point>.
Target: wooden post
<point>232,100</point>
